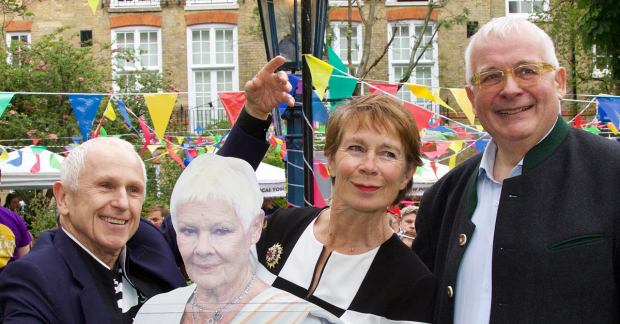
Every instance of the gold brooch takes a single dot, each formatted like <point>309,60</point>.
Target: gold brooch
<point>273,255</point>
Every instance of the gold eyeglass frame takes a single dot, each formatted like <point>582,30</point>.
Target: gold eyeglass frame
<point>475,80</point>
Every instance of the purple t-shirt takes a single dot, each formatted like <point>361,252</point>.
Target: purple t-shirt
<point>13,235</point>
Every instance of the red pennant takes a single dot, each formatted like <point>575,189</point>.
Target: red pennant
<point>199,141</point>
<point>383,87</point>
<point>192,153</point>
<point>318,197</point>
<point>172,154</point>
<point>233,103</point>
<point>434,167</point>
<point>323,171</point>
<point>395,210</point>
<point>98,129</point>
<point>579,123</point>
<point>35,141</point>
<point>421,115</point>
<point>273,142</point>
<point>147,135</point>
<point>37,166</point>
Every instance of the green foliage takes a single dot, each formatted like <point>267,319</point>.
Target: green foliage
<point>42,215</point>
<point>255,28</point>
<point>273,158</point>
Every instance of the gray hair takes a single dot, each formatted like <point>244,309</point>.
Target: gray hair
<point>409,210</point>
<point>503,26</point>
<point>227,179</point>
<point>72,166</point>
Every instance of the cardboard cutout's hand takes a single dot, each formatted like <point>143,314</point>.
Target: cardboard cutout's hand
<point>267,90</point>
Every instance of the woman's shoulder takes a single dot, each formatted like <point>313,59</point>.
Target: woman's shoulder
<point>286,219</point>
<point>165,308</point>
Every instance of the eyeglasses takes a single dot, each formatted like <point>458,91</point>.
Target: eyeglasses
<point>525,75</point>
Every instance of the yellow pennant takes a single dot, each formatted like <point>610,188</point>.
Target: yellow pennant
<point>464,103</point>
<point>109,112</point>
<point>440,101</point>
<point>4,155</point>
<point>93,5</point>
<point>452,162</point>
<point>321,72</point>
<point>421,91</point>
<point>152,148</point>
<point>160,107</point>
<point>480,128</point>
<point>612,128</point>
<point>456,146</point>
<point>210,148</point>
<point>180,139</point>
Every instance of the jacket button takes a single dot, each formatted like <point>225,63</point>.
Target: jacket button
<point>462,239</point>
<point>450,292</point>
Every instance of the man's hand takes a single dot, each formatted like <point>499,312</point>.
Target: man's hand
<point>267,90</point>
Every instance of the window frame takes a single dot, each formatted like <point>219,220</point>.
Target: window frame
<point>526,14</point>
<point>210,5</point>
<point>360,39</point>
<point>28,35</point>
<point>116,71</point>
<point>116,4</point>
<point>389,3</point>
<point>216,110</point>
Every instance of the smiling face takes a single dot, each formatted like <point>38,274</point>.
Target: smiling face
<point>104,212</point>
<point>515,114</point>
<point>369,168</point>
<point>214,244</point>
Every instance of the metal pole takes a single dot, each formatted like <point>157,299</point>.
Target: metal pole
<point>306,48</point>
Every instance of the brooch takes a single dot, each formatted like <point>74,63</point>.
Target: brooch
<point>273,255</point>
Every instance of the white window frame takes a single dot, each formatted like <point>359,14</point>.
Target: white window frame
<point>345,3</point>
<point>358,27</point>
<point>119,4</point>
<point>598,73</point>
<point>136,66</point>
<point>432,63</point>
<point>21,33</point>
<point>210,4</point>
<point>525,14</point>
<point>213,67</point>
<point>389,3</point>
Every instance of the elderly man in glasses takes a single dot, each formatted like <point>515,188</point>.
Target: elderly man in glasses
<point>528,231</point>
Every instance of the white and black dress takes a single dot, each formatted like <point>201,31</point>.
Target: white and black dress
<point>388,284</point>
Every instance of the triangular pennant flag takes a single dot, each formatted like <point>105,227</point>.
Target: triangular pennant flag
<point>199,129</point>
<point>440,101</point>
<point>421,115</point>
<point>481,145</point>
<point>5,98</point>
<point>612,128</point>
<point>54,163</point>
<point>16,162</point>
<point>85,109</point>
<point>318,197</point>
<point>174,155</point>
<point>160,107</point>
<point>147,135</point>
<point>233,103</point>
<point>319,113</point>
<point>293,79</point>
<point>191,153</point>
<point>4,155</point>
<point>199,141</point>
<point>611,108</point>
<point>434,167</point>
<point>38,149</point>
<point>336,62</point>
<point>383,87</point>
<point>180,139</point>
<point>341,87</point>
<point>37,166</point>
<point>323,171</point>
<point>76,140</point>
<point>421,91</point>
<point>452,162</point>
<point>109,112</point>
<point>321,72</point>
<point>93,5</point>
<point>461,98</point>
<point>202,151</point>
<point>98,129</point>
<point>152,148</point>
<point>123,110</point>
<point>102,132</point>
<point>456,146</point>
<point>35,140</point>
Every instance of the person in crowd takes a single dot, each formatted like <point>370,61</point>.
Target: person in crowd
<point>269,206</point>
<point>14,237</point>
<point>527,231</point>
<point>345,258</point>
<point>156,214</point>
<point>215,230</point>
<point>407,222</point>
<point>12,202</point>
<point>393,216</point>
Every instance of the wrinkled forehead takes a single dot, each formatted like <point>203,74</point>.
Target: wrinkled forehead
<point>113,160</point>
<point>506,50</point>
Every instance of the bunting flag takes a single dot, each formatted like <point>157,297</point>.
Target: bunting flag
<point>152,148</point>
<point>199,129</point>
<point>5,99</point>
<point>611,107</point>
<point>579,123</point>
<point>434,167</point>
<point>323,171</point>
<point>93,5</point>
<point>440,101</point>
<point>180,139</point>
<point>293,79</point>
<point>16,162</point>
<point>383,87</point>
<point>321,72</point>
<point>109,112</point>
<point>481,145</point>
<point>461,98</point>
<point>102,132</point>
<point>452,162</point>
<point>456,146</point>
<point>319,113</point>
<point>199,141</point>
<point>336,63</point>
<point>421,91</point>
<point>54,163</point>
<point>421,115</point>
<point>160,107</point>
<point>233,103</point>
<point>37,165</point>
<point>318,197</point>
<point>35,140</point>
<point>76,140</point>
<point>85,109</point>
<point>192,153</point>
<point>147,135</point>
<point>612,128</point>
<point>4,155</point>
<point>341,87</point>
<point>123,109</point>
<point>174,155</point>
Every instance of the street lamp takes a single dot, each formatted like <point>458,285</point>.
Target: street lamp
<point>281,32</point>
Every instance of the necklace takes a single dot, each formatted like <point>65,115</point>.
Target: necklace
<point>329,232</point>
<point>218,315</point>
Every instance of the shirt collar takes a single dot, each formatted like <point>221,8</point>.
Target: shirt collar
<point>121,256</point>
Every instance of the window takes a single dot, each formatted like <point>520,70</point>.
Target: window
<point>406,2</point>
<point>133,3</point>
<point>472,28</point>
<point>210,4</point>
<point>86,38</point>
<point>523,7</point>
<point>142,42</point>
<point>14,36</point>
<point>212,67</point>
<point>399,54</point>
<point>339,44</point>
<point>601,65</point>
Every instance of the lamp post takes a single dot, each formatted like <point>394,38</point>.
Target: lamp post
<point>281,32</point>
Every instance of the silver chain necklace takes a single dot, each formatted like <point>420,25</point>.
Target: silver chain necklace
<point>217,316</point>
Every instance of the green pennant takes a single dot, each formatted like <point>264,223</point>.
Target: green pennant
<point>336,62</point>
<point>73,144</point>
<point>38,149</point>
<point>54,163</point>
<point>341,87</point>
<point>592,129</point>
<point>118,136</point>
<point>201,151</point>
<point>420,169</point>
<point>5,98</point>
<point>218,138</point>
<point>102,132</point>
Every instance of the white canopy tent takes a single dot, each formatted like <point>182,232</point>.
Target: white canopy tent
<point>426,178</point>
